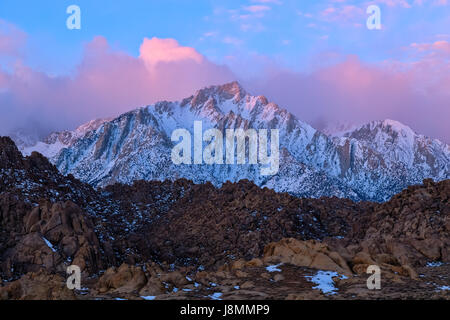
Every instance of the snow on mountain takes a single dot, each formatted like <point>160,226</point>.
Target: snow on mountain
<point>339,129</point>
<point>24,138</point>
<point>56,141</point>
<point>371,162</point>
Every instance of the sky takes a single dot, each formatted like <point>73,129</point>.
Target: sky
<point>318,59</point>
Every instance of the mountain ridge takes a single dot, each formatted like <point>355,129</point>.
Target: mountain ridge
<point>372,162</point>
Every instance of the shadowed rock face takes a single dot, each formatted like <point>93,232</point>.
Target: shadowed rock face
<point>10,157</point>
<point>150,229</point>
<point>48,236</point>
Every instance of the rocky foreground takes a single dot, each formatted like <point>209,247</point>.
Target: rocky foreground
<point>178,240</point>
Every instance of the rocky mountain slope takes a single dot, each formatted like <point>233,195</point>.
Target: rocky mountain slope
<point>372,162</point>
<point>55,142</point>
<point>178,240</point>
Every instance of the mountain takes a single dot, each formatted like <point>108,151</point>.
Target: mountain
<point>56,141</point>
<point>387,156</point>
<point>371,162</point>
<point>338,129</point>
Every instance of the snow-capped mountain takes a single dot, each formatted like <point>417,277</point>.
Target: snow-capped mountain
<point>55,142</point>
<point>372,162</point>
<point>391,156</point>
<point>338,129</point>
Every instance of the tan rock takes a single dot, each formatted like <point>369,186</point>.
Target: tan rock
<point>410,272</point>
<point>278,277</point>
<point>238,264</point>
<point>153,287</point>
<point>256,262</point>
<point>175,278</point>
<point>360,268</point>
<point>247,285</point>
<point>241,274</point>
<point>363,258</point>
<point>37,286</point>
<point>385,258</point>
<point>122,280</point>
<point>311,253</point>
<point>265,275</point>
<point>430,248</point>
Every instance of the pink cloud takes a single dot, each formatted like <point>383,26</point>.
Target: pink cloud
<point>268,1</point>
<point>395,3</point>
<point>433,2</point>
<point>257,11</point>
<point>106,83</point>
<point>109,82</point>
<point>438,46</point>
<point>346,14</point>
<point>257,8</point>
<point>352,91</point>
<point>12,39</point>
<point>156,50</point>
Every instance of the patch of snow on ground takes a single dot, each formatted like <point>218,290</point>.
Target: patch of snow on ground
<point>274,268</point>
<point>324,281</point>
<point>434,264</point>
<point>444,288</point>
<point>49,244</point>
<point>148,297</point>
<point>215,296</point>
<point>48,150</point>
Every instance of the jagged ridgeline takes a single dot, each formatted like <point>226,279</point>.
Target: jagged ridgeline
<point>372,162</point>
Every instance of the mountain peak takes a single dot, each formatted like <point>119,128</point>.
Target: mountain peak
<point>396,126</point>
<point>388,126</point>
<point>232,90</point>
<point>371,162</point>
<point>91,125</point>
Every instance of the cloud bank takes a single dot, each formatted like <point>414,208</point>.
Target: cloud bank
<point>106,83</point>
<point>351,91</point>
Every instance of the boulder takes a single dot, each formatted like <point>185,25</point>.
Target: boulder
<point>125,279</point>
<point>39,285</point>
<point>310,253</point>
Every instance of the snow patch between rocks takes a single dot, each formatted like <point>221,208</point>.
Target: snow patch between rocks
<point>49,244</point>
<point>215,296</point>
<point>324,281</point>
<point>274,268</point>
